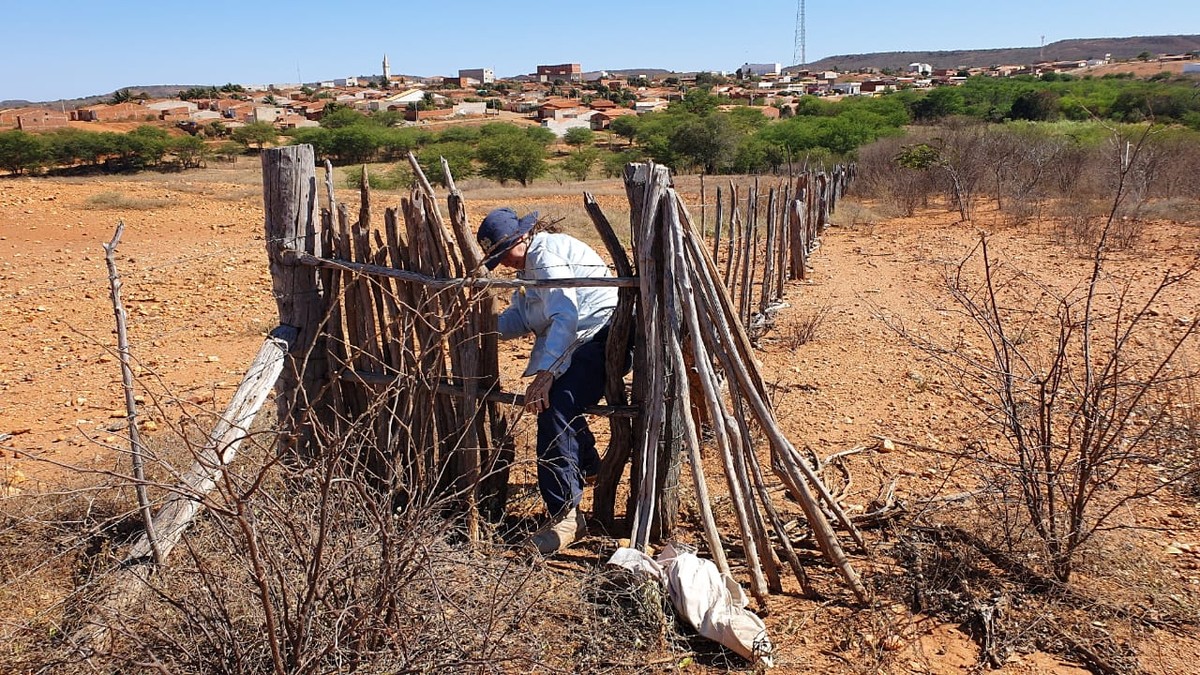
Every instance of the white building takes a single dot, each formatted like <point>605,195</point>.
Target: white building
<point>560,125</point>
<point>920,68</point>
<point>173,105</point>
<point>649,105</point>
<point>402,99</point>
<point>346,82</point>
<point>482,75</point>
<point>266,113</point>
<point>471,108</point>
<point>760,69</point>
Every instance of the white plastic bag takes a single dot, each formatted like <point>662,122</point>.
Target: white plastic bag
<point>713,603</point>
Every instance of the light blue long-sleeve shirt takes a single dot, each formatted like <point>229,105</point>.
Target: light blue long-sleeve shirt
<point>561,318</point>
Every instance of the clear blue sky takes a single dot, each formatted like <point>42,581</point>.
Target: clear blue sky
<point>69,48</point>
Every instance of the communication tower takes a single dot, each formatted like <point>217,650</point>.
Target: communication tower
<point>798,53</point>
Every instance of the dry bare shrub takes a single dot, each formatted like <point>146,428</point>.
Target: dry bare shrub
<point>1066,381</point>
<point>856,215</point>
<point>1074,385</point>
<point>1078,223</point>
<point>1125,233</point>
<point>115,200</point>
<point>311,569</point>
<point>1174,209</point>
<point>904,188</point>
<point>805,326</point>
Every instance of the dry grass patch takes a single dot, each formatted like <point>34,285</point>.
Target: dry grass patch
<point>113,200</point>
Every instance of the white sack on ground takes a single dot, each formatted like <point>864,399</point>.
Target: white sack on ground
<point>714,604</point>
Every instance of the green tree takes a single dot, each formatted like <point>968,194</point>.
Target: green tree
<point>356,143</point>
<point>215,129</point>
<point>625,126</point>
<point>540,135</point>
<point>144,146</point>
<point>580,162</point>
<point>256,134</point>
<point>579,136</point>
<point>614,164</point>
<point>396,143</point>
<point>387,118</point>
<point>68,147</point>
<point>457,154</point>
<point>21,152</point>
<point>193,93</point>
<point>755,155</point>
<point>698,101</point>
<point>190,151</point>
<point>710,142</point>
<point>121,96</point>
<point>939,103</point>
<point>460,134</point>
<point>229,151</point>
<point>508,153</point>
<point>337,116</point>
<point>919,157</point>
<point>319,137</point>
<point>1038,105</point>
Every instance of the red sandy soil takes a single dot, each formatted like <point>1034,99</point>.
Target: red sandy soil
<point>196,286</point>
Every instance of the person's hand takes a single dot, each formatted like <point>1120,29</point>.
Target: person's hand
<point>537,395</point>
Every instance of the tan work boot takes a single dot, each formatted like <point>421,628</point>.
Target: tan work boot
<point>558,534</point>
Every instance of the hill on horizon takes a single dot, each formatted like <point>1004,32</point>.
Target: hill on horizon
<point>1063,50</point>
<point>151,90</point>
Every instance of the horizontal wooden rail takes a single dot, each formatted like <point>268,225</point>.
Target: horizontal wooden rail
<point>469,282</point>
<point>510,398</point>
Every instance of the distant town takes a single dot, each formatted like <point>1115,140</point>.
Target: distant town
<point>559,97</point>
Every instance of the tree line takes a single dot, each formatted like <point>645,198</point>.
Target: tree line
<point>146,147</point>
<point>1053,96</point>
<point>700,132</point>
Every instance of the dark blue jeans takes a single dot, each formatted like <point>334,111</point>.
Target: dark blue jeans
<point>566,448</point>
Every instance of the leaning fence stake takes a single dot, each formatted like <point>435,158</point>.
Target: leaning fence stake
<point>135,440</point>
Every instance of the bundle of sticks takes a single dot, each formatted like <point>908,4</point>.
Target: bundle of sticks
<point>691,329</point>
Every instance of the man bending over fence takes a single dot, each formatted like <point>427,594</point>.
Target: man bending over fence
<point>567,362</point>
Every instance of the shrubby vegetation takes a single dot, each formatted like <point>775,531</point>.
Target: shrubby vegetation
<point>694,134</point>
<point>1026,168</point>
<point>1056,96</point>
<point>229,90</point>
<point>702,132</point>
<point>143,148</point>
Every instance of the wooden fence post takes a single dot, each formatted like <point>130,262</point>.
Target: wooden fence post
<point>616,355</point>
<point>293,226</point>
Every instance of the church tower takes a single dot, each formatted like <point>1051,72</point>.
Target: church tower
<point>387,71</point>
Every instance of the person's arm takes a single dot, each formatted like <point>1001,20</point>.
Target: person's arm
<point>511,322</point>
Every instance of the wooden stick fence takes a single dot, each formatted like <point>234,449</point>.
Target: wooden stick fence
<point>399,317</point>
<point>765,241</point>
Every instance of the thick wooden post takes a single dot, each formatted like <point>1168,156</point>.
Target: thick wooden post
<point>293,226</point>
<point>616,356</point>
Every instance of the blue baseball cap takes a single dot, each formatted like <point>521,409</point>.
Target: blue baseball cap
<point>500,231</point>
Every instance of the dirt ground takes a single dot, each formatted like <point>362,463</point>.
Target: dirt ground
<point>196,286</point>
